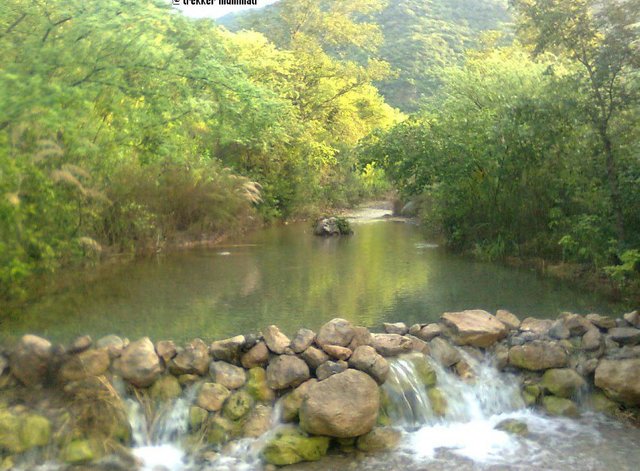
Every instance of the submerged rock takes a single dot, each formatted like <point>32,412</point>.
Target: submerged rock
<point>476,328</point>
<point>513,426</point>
<point>139,364</point>
<point>438,402</point>
<point>559,406</point>
<point>344,405</point>
<point>290,446</point>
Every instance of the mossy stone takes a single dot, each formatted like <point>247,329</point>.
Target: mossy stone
<point>77,452</point>
<point>165,388</point>
<point>559,406</point>
<point>10,440</point>
<point>425,372</point>
<point>531,393</point>
<point>513,426</point>
<point>292,446</point>
<point>197,417</point>
<point>35,431</point>
<point>237,405</point>
<point>601,403</point>
<point>438,402</point>
<point>219,430</point>
<point>257,386</point>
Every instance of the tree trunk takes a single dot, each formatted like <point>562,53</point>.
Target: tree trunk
<point>614,186</point>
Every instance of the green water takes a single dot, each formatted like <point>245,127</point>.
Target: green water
<point>286,276</point>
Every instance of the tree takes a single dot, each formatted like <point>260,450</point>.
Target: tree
<point>601,36</point>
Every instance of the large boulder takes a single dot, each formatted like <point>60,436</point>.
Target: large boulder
<point>538,356</point>
<point>275,339</point>
<point>366,359</point>
<point>563,382</point>
<point>336,332</point>
<point>87,363</point>
<point>30,360</point>
<point>344,405</point>
<point>193,359</point>
<point>620,380</point>
<point>139,364</point>
<point>475,327</point>
<point>287,371</point>
<point>390,345</point>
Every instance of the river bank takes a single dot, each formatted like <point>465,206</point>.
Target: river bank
<point>115,403</point>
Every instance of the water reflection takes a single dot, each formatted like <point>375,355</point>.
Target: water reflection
<point>285,275</point>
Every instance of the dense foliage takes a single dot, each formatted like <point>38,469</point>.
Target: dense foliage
<point>532,149</point>
<point>125,125</point>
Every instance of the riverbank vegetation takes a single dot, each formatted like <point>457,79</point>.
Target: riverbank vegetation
<point>531,149</point>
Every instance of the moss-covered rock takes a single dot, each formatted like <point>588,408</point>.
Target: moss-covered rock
<point>237,405</point>
<point>220,430</point>
<point>438,402</point>
<point>35,431</point>
<point>559,406</point>
<point>424,370</point>
<point>291,446</point>
<point>601,403</point>
<point>197,417</point>
<point>379,439</point>
<point>513,426</point>
<point>531,393</point>
<point>257,385</point>
<point>562,382</point>
<point>77,452</point>
<point>166,388</point>
<point>10,425</point>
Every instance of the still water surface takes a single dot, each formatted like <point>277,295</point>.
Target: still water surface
<point>284,275</point>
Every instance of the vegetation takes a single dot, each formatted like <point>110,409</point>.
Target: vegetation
<point>532,149</point>
<point>126,125</point>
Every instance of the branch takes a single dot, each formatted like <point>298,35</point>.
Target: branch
<point>14,24</point>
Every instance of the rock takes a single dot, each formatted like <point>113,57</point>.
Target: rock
<point>587,367</point>
<point>559,406</point>
<point>620,380</point>
<point>229,350</point>
<point>563,382</point>
<point>399,328</point>
<point>258,422</point>
<point>632,318</point>
<point>575,323</point>
<point>475,327</point>
<point>501,356</point>
<point>303,340</point>
<point>366,359</point>
<point>418,345</point>
<point>257,385</point>
<point>539,327</point>
<point>314,357</point>
<point>464,371</point>
<point>211,396</point>
<point>531,393</point>
<point>332,226</point>
<point>361,336</point>
<point>336,352</point>
<point>425,373</point>
<point>335,332</point>
<point>538,355</point>
<point>220,430</point>
<point>390,345</point>
<point>443,352</point>
<point>602,322</point>
<point>510,320</point>
<point>513,426</point>
<point>559,331</point>
<point>193,359</point>
<point>10,425</point>
<point>438,402</point>
<point>290,447</point>
<point>625,335</point>
<point>591,340</point>
<point>166,388</point>
<point>80,344</point>
<point>276,341</point>
<point>237,405</point>
<point>197,417</point>
<point>113,344</point>
<point>230,376</point>
<point>291,402</point>
<point>429,332</point>
<point>186,380</point>
<point>601,403</point>
<point>77,452</point>
<point>29,361</point>
<point>344,405</point>
<point>258,355</point>
<point>330,368</point>
<point>379,439</point>
<point>286,371</point>
<point>415,328</point>
<point>35,431</point>
<point>166,349</point>
<point>84,364</point>
<point>139,364</point>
